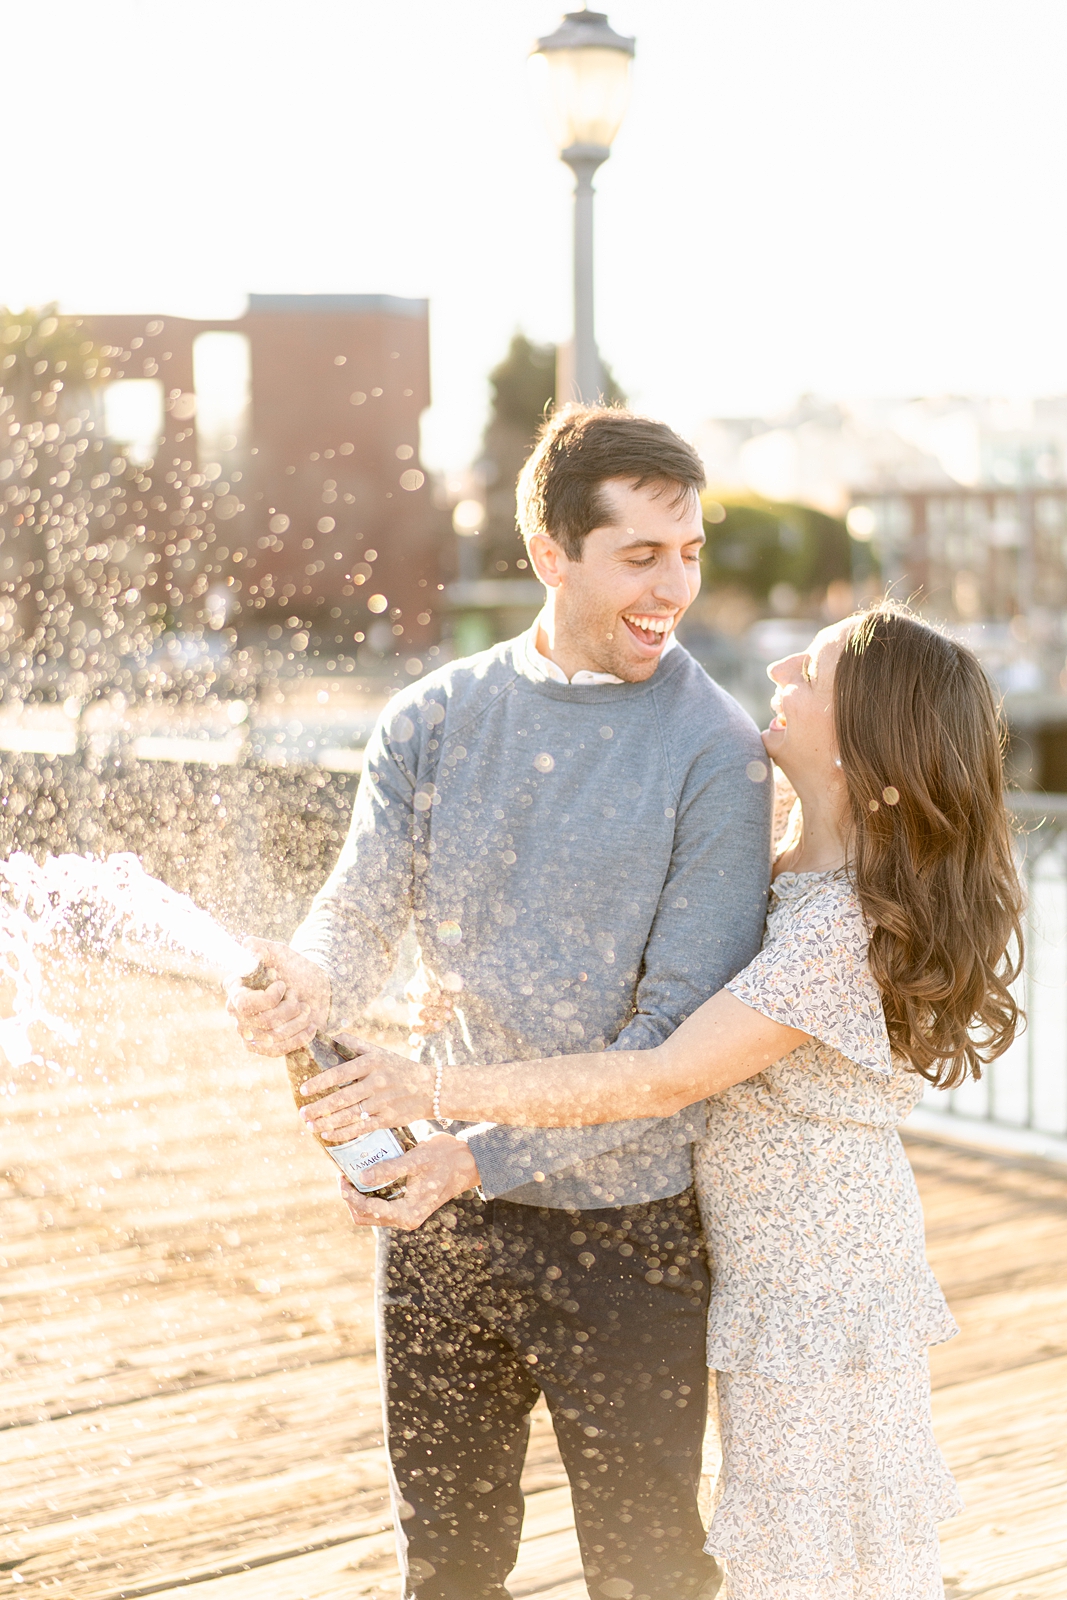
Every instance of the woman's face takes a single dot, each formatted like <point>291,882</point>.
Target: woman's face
<point>801,736</point>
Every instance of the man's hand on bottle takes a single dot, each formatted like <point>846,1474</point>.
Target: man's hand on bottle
<point>433,1173</point>
<point>285,1017</point>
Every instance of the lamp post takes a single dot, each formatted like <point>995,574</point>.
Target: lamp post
<point>588,70</point>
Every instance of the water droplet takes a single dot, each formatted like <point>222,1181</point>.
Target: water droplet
<point>756,771</point>
<point>607,733</point>
<point>544,762</point>
<point>890,795</point>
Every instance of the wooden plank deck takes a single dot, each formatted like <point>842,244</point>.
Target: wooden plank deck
<point>188,1386</point>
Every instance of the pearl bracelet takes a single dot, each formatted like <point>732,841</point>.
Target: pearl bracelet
<point>446,1122</point>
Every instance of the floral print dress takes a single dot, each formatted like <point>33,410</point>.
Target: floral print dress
<point>823,1303</point>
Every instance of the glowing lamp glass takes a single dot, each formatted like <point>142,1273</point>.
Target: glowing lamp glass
<point>586,90</point>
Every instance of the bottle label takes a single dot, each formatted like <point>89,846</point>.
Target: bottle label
<point>353,1158</point>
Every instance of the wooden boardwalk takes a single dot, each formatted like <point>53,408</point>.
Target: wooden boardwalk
<point>188,1379</point>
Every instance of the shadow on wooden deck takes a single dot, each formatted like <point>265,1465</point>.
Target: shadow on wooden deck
<point>189,1394</point>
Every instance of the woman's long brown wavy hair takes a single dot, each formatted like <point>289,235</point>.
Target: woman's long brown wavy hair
<point>930,853</point>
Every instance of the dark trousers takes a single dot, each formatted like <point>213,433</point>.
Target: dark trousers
<point>604,1312</point>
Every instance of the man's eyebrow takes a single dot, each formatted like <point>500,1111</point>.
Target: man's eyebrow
<point>658,544</point>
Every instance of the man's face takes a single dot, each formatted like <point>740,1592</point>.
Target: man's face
<point>614,610</point>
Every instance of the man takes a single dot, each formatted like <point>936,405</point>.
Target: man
<point>578,822</point>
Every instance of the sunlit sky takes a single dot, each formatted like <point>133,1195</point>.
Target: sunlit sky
<point>842,196</point>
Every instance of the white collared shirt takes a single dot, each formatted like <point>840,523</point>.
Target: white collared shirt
<point>544,668</point>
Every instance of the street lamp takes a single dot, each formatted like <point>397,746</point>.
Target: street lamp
<point>588,70</point>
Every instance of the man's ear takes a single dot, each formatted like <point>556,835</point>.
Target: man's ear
<point>548,559</point>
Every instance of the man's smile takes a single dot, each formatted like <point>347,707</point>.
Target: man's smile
<point>650,629</point>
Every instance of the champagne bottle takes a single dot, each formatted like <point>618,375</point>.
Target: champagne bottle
<point>355,1156</point>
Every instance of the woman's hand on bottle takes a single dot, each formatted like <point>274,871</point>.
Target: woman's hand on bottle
<point>376,1089</point>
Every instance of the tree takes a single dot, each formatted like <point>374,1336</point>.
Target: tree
<point>523,390</point>
<point>48,459</point>
<point>756,545</point>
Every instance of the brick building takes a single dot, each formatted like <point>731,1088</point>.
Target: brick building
<point>319,503</point>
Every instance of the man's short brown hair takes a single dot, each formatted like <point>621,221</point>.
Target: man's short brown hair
<point>579,449</point>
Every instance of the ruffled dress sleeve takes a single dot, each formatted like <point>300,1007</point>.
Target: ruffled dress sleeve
<point>812,973</point>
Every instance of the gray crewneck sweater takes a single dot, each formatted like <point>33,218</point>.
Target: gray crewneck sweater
<point>584,866</point>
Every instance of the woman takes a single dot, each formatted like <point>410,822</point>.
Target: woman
<point>892,937</point>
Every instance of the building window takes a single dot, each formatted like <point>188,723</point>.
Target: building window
<point>133,416</point>
<point>222,377</point>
